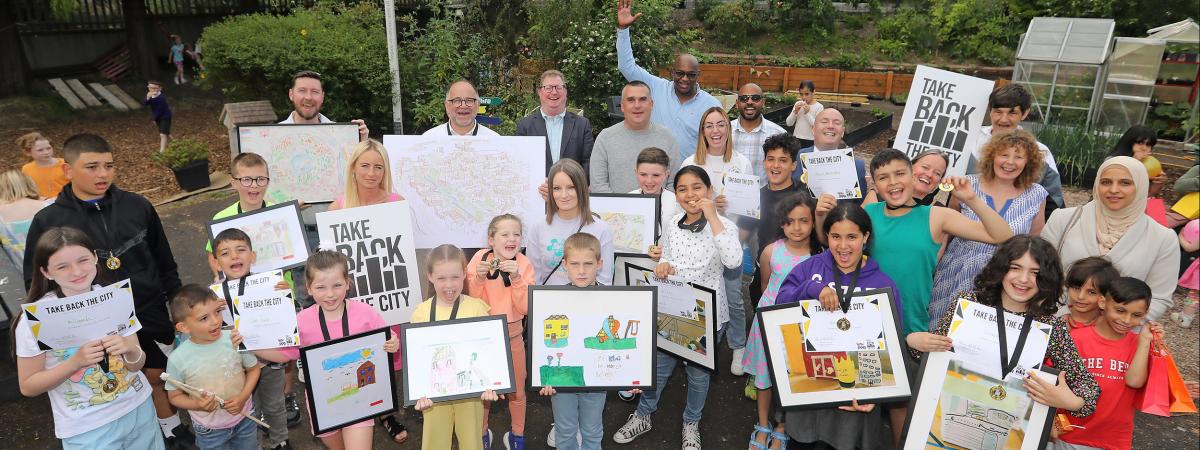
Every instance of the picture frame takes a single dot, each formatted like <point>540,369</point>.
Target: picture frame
<point>307,161</point>
<point>634,219</point>
<point>978,419</point>
<point>809,379</point>
<point>611,359</point>
<point>434,357</point>
<point>683,311</point>
<point>341,390</point>
<point>619,261</point>
<point>276,233</point>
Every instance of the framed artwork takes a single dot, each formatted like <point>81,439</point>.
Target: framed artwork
<point>686,325</point>
<point>618,265</point>
<point>307,161</point>
<point>276,233</point>
<point>589,339</point>
<point>377,239</point>
<point>633,218</point>
<point>819,358</point>
<point>957,408</point>
<point>456,359</point>
<point>348,380</point>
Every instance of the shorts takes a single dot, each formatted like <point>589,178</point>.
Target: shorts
<point>179,64</point>
<point>136,429</point>
<point>155,358</point>
<point>164,125</point>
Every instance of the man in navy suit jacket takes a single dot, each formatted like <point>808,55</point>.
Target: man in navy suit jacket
<point>568,135</point>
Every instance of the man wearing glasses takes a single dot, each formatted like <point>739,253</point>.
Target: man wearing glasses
<point>307,94</point>
<point>751,129</point>
<point>680,102</point>
<point>462,105</point>
<point>568,135</point>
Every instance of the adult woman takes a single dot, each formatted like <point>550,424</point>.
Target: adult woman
<point>1114,225</point>
<point>928,169</point>
<point>1010,165</point>
<point>19,202</point>
<point>1137,143</point>
<point>368,178</point>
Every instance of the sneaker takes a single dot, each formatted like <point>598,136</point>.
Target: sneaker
<point>487,439</point>
<point>183,438</point>
<point>627,396</point>
<point>282,446</point>
<point>691,436</point>
<point>736,366</point>
<point>636,426</point>
<point>293,410</point>
<point>550,441</point>
<point>513,442</point>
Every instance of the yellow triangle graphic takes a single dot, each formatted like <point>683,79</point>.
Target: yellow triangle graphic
<point>32,308</point>
<point>35,328</point>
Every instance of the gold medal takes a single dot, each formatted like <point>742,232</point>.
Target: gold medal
<point>997,392</point>
<point>946,186</point>
<point>113,263</point>
<point>110,385</point>
<point>843,324</point>
<point>804,177</point>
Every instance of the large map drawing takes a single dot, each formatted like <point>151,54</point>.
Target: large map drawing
<point>307,162</point>
<point>457,184</point>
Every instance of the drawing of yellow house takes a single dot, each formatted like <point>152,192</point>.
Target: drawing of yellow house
<point>555,330</point>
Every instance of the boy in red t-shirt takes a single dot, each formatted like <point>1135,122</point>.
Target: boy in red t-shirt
<point>1119,360</point>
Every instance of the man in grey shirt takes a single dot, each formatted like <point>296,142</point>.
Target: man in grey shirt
<point>614,156</point>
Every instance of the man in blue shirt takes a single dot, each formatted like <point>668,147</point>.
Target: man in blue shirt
<point>680,102</point>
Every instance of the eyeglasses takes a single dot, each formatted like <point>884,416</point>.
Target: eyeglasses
<point>252,181</point>
<point>718,125</point>
<point>459,101</point>
<point>554,88</point>
<point>682,74</point>
<point>746,98</point>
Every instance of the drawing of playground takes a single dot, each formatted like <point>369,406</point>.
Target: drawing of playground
<point>829,371</point>
<point>628,231</point>
<point>969,418</point>
<point>349,372</point>
<point>612,335</point>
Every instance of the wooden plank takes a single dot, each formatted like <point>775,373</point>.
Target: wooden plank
<point>83,93</point>
<point>887,92</point>
<point>125,98</point>
<point>66,94</point>
<point>108,96</point>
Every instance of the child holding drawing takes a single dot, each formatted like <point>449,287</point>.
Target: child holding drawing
<point>501,276</point>
<point>123,417</point>
<point>567,213</point>
<point>208,360</point>
<point>462,418</point>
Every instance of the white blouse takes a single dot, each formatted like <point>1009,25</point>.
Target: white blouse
<point>701,258</point>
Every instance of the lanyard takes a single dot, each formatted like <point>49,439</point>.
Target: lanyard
<point>694,227</point>
<point>1006,364</point>
<point>844,295</point>
<point>497,273</point>
<point>474,131</point>
<point>345,322</point>
<point>241,288</point>
<point>453,311</point>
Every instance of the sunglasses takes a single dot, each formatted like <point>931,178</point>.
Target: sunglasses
<point>746,98</point>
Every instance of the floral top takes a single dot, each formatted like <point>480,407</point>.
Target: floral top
<point>1061,353</point>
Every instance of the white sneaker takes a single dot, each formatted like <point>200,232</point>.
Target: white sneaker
<point>636,426</point>
<point>550,441</point>
<point>736,367</point>
<point>691,436</point>
<point>626,396</point>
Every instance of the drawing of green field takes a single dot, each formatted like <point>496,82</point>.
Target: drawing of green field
<point>562,375</point>
<point>595,343</point>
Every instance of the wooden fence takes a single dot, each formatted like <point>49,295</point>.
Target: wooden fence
<point>781,79</point>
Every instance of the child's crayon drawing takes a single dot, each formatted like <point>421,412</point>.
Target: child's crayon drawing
<point>351,371</point>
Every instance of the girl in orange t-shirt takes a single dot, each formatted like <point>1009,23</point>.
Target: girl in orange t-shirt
<point>47,171</point>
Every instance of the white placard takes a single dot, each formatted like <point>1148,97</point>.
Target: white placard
<point>742,193</point>
<point>977,345</point>
<point>259,282</point>
<point>307,161</point>
<point>832,172</point>
<point>457,184</point>
<point>266,319</point>
<point>378,240</point>
<point>944,111</point>
<point>62,323</point>
<point>859,329</point>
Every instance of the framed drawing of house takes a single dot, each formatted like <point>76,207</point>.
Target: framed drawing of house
<point>348,380</point>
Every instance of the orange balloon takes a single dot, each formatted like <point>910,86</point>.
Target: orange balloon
<point>1153,166</point>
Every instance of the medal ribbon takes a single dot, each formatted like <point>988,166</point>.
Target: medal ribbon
<point>845,295</point>
<point>453,311</point>
<point>1006,364</point>
<point>345,322</point>
<point>491,275</point>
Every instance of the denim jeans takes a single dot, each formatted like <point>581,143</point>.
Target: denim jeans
<point>578,413</point>
<point>268,399</point>
<point>736,330</point>
<point>243,436</point>
<point>697,385</point>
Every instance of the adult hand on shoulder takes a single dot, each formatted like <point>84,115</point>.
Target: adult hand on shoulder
<point>363,132</point>
<point>928,342</point>
<point>625,15</point>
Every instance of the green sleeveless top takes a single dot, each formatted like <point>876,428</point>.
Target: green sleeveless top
<point>904,249</point>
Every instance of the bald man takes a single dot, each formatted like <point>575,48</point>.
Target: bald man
<point>462,105</point>
<point>828,131</point>
<point>679,102</point>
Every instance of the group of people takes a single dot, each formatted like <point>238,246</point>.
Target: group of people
<point>1100,273</point>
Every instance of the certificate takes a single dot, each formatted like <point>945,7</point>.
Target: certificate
<point>977,344</point>
<point>858,329</point>
<point>265,281</point>
<point>62,323</point>
<point>266,319</point>
<point>832,172</point>
<point>742,192</point>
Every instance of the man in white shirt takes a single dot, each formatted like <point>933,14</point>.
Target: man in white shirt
<point>462,105</point>
<point>307,94</point>
<point>751,129</point>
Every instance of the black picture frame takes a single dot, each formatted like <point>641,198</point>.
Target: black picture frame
<point>711,328</point>
<point>498,321</point>
<point>628,198</point>
<point>385,373</point>
<point>299,224</point>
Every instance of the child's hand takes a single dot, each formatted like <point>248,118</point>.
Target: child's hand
<point>663,270</point>
<point>208,402</point>
<point>489,396</point>
<point>392,344</point>
<point>962,189</point>
<point>234,405</point>
<point>655,252</point>
<point>825,204</point>
<point>707,207</point>
<point>1054,396</point>
<point>722,204</point>
<point>236,338</point>
<point>854,406</point>
<point>282,286</point>
<point>114,345</point>
<point>423,403</point>
<point>829,299</point>
<point>547,391</point>
<point>928,342</point>
<point>482,269</point>
<point>88,354</point>
<point>509,266</point>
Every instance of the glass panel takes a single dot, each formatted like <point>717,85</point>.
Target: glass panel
<point>1120,114</point>
<point>1135,60</point>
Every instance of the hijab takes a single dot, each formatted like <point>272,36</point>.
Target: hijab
<point>1111,225</point>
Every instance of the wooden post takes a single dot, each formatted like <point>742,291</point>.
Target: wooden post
<point>787,78</point>
<point>887,87</point>
<point>737,75</point>
<point>837,80</point>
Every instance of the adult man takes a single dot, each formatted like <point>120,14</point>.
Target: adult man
<point>1007,107</point>
<point>751,129</point>
<point>462,105</point>
<point>307,94</point>
<point>568,135</point>
<point>614,156</point>
<point>680,101</point>
<point>827,135</point>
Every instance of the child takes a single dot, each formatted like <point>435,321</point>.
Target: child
<point>501,277</point>
<point>567,213</point>
<point>47,172</point>
<point>328,281</point>
<point>175,56</point>
<point>1085,281</point>
<point>235,255</point>
<point>579,413</point>
<point>250,179</point>
<point>124,417</point>
<point>160,112</point>
<point>462,418</point>
<point>698,246</point>
<point>1189,240</point>
<point>368,178</point>
<point>799,242</point>
<point>779,161</point>
<point>1118,358</point>
<point>209,360</point>
<point>804,114</point>
<point>652,169</point>
<point>19,202</point>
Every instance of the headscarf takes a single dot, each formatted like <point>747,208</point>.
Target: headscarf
<point>1111,225</point>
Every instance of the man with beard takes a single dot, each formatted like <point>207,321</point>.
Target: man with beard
<point>751,129</point>
<point>568,135</point>
<point>462,105</point>
<point>827,135</point>
<point>679,103</point>
<point>307,95</point>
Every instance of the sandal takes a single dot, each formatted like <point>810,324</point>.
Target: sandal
<point>780,437</point>
<point>395,429</point>
<point>758,431</point>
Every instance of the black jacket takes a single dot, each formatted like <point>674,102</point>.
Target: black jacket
<point>149,263</point>
<point>577,138</point>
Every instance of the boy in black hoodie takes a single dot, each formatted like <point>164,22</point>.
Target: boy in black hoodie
<point>130,244</point>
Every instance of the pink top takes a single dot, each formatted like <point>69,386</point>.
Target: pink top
<point>362,317</point>
<point>340,201</point>
<point>513,300</point>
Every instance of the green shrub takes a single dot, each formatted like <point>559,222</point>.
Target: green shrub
<point>850,61</point>
<point>433,56</point>
<point>1078,153</point>
<point>702,7</point>
<point>817,16</point>
<point>892,48</point>
<point>181,152</point>
<point>906,30</point>
<point>980,29</point>
<point>1170,120</point>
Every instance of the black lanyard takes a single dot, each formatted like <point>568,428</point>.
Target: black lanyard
<point>241,287</point>
<point>1007,365</point>
<point>844,295</point>
<point>474,131</point>
<point>453,310</point>
<point>345,322</point>
<point>694,227</point>
<point>657,220</point>
<point>498,273</point>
